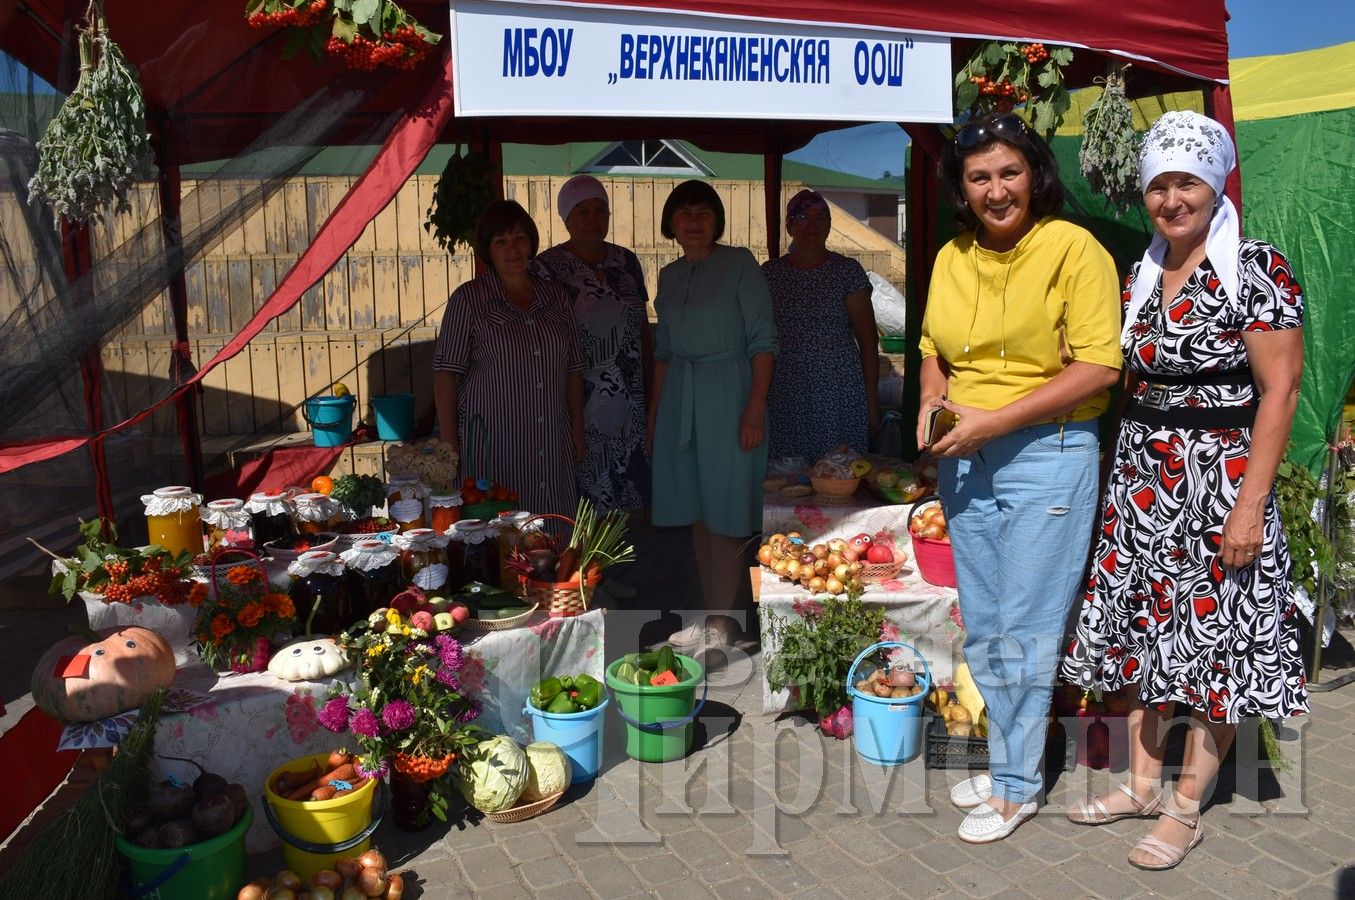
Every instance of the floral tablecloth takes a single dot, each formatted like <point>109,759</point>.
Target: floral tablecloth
<point>817,521</point>
<point>917,613</point>
<point>249,725</point>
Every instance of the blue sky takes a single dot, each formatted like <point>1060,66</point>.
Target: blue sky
<point>1257,28</point>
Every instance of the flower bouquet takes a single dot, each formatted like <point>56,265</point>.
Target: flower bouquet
<point>432,461</point>
<point>407,710</point>
<point>237,619</point>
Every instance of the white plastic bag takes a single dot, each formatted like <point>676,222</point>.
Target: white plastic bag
<point>889,305</point>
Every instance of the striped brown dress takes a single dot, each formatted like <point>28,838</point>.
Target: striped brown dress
<point>512,367</point>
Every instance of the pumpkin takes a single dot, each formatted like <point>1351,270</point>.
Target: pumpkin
<point>84,679</point>
<point>308,659</point>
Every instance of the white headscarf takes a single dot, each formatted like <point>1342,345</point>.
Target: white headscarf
<point>1189,142</point>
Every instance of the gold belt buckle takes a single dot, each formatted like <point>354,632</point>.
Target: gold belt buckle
<point>1154,396</point>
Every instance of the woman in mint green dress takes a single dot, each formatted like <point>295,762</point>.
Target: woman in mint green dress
<point>713,349</point>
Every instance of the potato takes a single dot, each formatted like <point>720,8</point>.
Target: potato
<point>959,715</point>
<point>939,699</point>
<point>960,729</point>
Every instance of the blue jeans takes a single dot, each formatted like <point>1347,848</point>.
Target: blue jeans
<point>1020,514</point>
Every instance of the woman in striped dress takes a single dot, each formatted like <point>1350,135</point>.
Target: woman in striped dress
<point>508,352</point>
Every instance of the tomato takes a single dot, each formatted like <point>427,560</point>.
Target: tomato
<point>322,484</point>
<point>472,495</point>
<point>468,484</point>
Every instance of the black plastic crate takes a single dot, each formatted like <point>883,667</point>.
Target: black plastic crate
<point>947,752</point>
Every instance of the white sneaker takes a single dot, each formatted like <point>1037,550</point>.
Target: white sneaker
<point>697,637</point>
<point>972,791</point>
<point>984,825</point>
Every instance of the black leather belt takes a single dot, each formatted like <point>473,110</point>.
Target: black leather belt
<point>1152,408</point>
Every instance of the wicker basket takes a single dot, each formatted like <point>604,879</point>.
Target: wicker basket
<point>561,599</point>
<point>874,573</point>
<point>834,490</point>
<point>482,625</point>
<point>323,540</point>
<point>525,811</point>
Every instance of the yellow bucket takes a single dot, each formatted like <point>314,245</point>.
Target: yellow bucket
<point>315,833</point>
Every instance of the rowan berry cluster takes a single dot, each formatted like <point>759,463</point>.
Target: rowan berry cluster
<point>1004,89</point>
<point>1034,53</point>
<point>402,48</point>
<point>290,16</point>
<point>149,579</point>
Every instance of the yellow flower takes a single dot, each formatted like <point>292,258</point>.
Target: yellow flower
<point>404,629</point>
<point>419,675</point>
<point>376,650</point>
<point>393,618</point>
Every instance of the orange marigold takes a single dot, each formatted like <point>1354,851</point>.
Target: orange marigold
<point>250,615</point>
<point>242,575</point>
<point>280,605</point>
<point>198,595</point>
<point>222,625</point>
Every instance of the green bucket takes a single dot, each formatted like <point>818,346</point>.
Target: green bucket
<point>659,719</point>
<point>213,869</point>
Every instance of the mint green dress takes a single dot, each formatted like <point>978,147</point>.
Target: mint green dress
<point>713,316</point>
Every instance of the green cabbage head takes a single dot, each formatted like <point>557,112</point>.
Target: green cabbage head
<point>548,771</point>
<point>493,774</point>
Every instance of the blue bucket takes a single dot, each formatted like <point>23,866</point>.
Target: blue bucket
<point>578,734</point>
<point>330,419</point>
<point>888,731</point>
<point>394,416</point>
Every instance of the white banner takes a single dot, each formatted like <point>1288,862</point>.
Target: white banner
<point>544,59</point>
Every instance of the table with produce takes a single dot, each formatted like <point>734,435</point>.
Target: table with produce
<point>848,528</point>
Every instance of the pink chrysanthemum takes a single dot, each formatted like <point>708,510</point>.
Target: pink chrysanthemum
<point>397,715</point>
<point>364,723</point>
<point>334,714</point>
<point>470,713</point>
<point>447,677</point>
<point>449,649</point>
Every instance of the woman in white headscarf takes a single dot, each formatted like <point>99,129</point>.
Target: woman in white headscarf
<point>1189,600</point>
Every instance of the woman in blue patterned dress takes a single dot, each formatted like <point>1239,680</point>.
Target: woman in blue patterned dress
<point>824,385</point>
<point>609,297</point>
<point>1189,600</point>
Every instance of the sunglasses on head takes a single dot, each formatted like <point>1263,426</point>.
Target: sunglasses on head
<point>1009,126</point>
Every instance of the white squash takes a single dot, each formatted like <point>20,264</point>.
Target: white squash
<point>308,659</point>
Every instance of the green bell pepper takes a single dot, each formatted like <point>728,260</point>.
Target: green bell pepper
<point>567,681</point>
<point>545,691</point>
<point>588,692</point>
<point>562,704</point>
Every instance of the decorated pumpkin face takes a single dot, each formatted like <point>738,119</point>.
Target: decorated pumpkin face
<point>308,659</point>
<point>79,680</point>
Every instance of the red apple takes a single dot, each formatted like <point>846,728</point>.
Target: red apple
<point>423,620</point>
<point>879,553</point>
<point>460,613</point>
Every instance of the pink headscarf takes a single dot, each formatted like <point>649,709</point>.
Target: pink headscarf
<point>576,190</point>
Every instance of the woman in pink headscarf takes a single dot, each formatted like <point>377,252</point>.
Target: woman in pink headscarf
<point>610,307</point>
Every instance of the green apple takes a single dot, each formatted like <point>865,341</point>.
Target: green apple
<point>440,604</point>
<point>444,621</point>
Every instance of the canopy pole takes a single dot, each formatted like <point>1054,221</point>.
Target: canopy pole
<point>77,259</point>
<point>772,166</point>
<point>1218,105</point>
<point>920,219</point>
<point>181,358</point>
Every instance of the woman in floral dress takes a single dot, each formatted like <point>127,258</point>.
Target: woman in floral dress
<point>1189,599</point>
<point>610,300</point>
<point>824,385</point>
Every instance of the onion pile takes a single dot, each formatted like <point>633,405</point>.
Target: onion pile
<point>829,568</point>
<point>352,878</point>
<point>930,522</point>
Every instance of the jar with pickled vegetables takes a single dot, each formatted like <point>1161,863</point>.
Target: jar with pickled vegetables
<point>444,511</point>
<point>510,525</point>
<point>270,514</point>
<point>319,592</point>
<point>226,523</point>
<point>473,553</point>
<point>374,574</point>
<point>174,519</point>
<point>424,554</point>
<point>314,513</point>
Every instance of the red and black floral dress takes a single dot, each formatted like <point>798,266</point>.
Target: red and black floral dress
<point>1160,609</point>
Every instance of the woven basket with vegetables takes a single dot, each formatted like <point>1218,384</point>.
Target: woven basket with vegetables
<point>562,581</point>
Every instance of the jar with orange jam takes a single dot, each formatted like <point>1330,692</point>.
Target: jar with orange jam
<point>314,513</point>
<point>174,519</point>
<point>227,525</point>
<point>445,511</point>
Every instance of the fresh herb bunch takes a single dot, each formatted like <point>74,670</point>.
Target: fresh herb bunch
<point>1000,75</point>
<point>96,144</point>
<point>363,34</point>
<point>464,189</point>
<point>600,542</point>
<point>121,574</point>
<point>817,649</point>
<point>359,493</point>
<point>1109,156</point>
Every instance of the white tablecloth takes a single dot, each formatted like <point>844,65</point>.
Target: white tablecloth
<point>254,723</point>
<point>917,613</point>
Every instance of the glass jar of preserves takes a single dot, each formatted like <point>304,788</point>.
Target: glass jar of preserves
<point>270,514</point>
<point>424,554</point>
<point>174,519</point>
<point>472,553</point>
<point>407,514</point>
<point>319,592</point>
<point>226,524</point>
<point>314,513</point>
<point>405,487</point>
<point>510,525</point>
<point>375,575</point>
<point>445,511</point>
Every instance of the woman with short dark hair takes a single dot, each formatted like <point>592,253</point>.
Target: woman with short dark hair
<point>1020,343</point>
<point>507,352</point>
<point>713,350</point>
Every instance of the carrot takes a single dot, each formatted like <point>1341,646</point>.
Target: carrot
<point>323,792</point>
<point>338,758</point>
<point>346,772</point>
<point>567,564</point>
<point>287,782</point>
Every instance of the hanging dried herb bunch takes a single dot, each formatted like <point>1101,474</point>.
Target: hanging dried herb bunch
<point>97,144</point>
<point>464,189</point>
<point>1109,156</point>
<point>1001,75</point>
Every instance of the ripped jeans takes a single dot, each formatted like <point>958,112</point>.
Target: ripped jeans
<point>1020,514</point>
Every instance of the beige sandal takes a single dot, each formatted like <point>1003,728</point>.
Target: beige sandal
<point>1095,811</point>
<point>1169,854</point>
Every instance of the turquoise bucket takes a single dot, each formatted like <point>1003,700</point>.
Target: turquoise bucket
<point>394,416</point>
<point>578,734</point>
<point>330,419</point>
<point>888,731</point>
